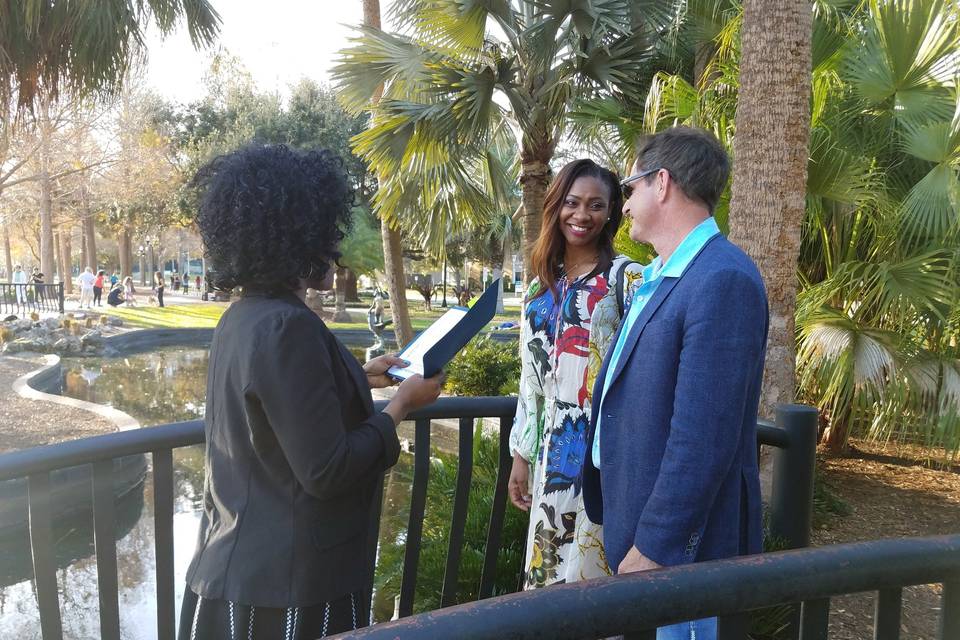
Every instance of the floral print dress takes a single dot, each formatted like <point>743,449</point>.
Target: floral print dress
<point>563,340</point>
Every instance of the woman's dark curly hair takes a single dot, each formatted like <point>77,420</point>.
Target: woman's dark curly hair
<point>270,215</point>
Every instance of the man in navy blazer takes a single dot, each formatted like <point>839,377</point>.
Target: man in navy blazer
<point>673,473</point>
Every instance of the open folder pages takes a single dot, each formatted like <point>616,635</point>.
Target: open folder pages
<point>436,345</point>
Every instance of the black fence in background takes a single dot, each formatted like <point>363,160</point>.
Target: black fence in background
<point>23,299</point>
<point>794,439</point>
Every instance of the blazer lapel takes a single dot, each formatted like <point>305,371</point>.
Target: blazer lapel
<point>658,297</point>
<point>641,322</point>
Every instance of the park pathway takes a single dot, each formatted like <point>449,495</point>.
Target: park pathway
<point>30,423</point>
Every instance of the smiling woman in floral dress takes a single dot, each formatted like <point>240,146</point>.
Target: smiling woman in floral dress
<point>571,311</point>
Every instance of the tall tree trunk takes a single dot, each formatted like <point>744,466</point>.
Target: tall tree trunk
<point>340,313</point>
<point>57,270</point>
<point>124,253</point>
<point>392,250</point>
<point>703,53</point>
<point>496,258</point>
<point>498,276</point>
<point>7,254</point>
<point>84,255</point>
<point>66,262</point>
<point>47,258</point>
<point>46,204</point>
<point>534,179</point>
<point>837,431</point>
<point>350,286</point>
<point>90,232</point>
<point>770,176</point>
<point>508,245</point>
<point>396,283</point>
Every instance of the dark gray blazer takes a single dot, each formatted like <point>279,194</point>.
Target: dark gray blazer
<point>294,450</point>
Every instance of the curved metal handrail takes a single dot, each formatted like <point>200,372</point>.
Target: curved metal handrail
<point>643,601</point>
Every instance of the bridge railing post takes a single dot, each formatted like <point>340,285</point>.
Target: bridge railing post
<point>791,500</point>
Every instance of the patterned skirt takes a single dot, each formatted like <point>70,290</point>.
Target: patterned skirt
<point>205,619</point>
<point>562,544</point>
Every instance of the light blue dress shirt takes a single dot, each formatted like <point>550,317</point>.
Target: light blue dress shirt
<point>653,275</point>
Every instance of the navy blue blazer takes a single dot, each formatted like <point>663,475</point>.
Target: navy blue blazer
<point>679,476</point>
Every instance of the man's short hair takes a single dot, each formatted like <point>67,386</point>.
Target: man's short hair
<point>696,160</point>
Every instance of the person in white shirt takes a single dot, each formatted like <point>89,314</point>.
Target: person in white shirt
<point>20,278</point>
<point>86,281</point>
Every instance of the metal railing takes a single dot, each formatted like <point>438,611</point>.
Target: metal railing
<point>21,299</point>
<point>790,503</point>
<point>634,605</point>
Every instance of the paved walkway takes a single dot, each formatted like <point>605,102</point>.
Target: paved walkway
<point>30,423</point>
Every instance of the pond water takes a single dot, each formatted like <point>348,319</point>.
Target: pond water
<point>165,385</point>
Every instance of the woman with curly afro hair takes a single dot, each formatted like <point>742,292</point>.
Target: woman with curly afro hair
<point>294,447</point>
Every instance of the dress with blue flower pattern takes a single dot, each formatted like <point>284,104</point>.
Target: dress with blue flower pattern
<point>564,337</point>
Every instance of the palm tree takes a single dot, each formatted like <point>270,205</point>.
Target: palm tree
<point>48,46</point>
<point>878,311</point>
<point>80,48</point>
<point>769,185</point>
<point>454,88</point>
<point>392,241</point>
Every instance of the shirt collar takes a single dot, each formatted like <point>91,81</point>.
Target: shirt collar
<point>685,252</point>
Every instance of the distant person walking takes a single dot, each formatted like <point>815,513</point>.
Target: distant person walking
<point>197,283</point>
<point>114,279</point>
<point>158,287</point>
<point>20,278</point>
<point>98,288</point>
<point>129,292</point>
<point>86,281</point>
<point>186,283</point>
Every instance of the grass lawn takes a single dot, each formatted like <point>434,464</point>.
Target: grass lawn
<point>419,318</point>
<point>173,316</point>
<point>207,314</point>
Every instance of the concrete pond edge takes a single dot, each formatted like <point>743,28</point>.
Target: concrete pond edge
<point>44,385</point>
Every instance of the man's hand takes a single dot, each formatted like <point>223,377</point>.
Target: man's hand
<point>635,561</point>
<point>376,370</point>
<point>519,484</point>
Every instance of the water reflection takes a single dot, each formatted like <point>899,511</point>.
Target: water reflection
<point>167,385</point>
<point>162,386</point>
<point>74,536</point>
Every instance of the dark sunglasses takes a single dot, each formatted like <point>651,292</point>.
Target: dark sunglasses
<point>627,188</point>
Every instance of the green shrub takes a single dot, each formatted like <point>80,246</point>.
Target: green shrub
<point>484,367</point>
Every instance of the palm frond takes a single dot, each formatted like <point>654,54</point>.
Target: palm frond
<point>907,52</point>
<point>378,58</point>
<point>896,291</point>
<point>931,209</point>
<point>86,47</point>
